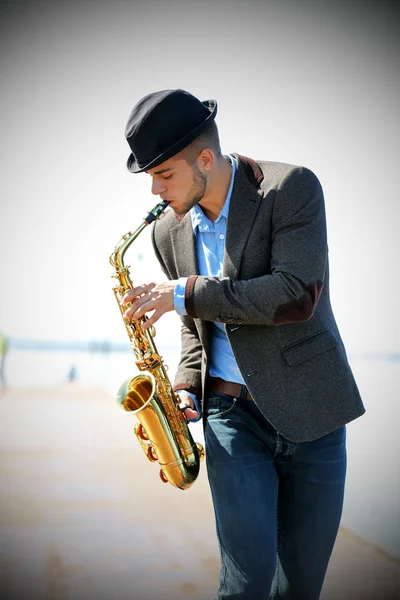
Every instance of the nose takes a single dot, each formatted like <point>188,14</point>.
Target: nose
<point>158,187</point>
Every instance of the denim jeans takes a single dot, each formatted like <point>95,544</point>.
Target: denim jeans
<point>277,504</point>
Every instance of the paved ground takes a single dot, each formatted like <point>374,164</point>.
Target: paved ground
<point>83,515</point>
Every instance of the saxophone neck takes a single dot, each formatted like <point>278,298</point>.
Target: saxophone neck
<point>117,257</point>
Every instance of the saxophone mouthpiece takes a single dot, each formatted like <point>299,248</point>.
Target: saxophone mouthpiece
<point>157,211</point>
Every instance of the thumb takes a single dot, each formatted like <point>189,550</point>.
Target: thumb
<point>187,407</point>
<point>190,413</point>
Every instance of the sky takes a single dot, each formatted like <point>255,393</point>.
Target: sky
<point>305,82</point>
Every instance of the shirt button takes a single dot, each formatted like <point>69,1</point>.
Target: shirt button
<point>221,236</point>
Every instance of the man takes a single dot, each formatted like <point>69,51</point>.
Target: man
<point>245,253</point>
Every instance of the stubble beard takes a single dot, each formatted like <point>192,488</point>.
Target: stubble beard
<point>196,192</point>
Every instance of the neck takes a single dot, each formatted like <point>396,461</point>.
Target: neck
<point>217,189</point>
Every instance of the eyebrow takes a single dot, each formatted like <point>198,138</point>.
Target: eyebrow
<point>162,171</point>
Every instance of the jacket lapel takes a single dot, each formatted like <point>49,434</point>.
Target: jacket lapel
<point>183,247</point>
<point>243,208</point>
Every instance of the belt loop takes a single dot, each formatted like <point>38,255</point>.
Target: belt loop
<point>243,392</point>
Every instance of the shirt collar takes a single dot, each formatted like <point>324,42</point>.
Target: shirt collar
<point>199,219</point>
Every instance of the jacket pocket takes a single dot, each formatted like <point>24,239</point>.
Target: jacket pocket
<point>297,353</point>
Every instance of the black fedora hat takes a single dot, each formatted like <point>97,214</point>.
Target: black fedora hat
<point>164,123</point>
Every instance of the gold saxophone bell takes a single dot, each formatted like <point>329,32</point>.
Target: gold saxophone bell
<point>162,429</point>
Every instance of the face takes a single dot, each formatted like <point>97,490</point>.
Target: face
<point>183,185</point>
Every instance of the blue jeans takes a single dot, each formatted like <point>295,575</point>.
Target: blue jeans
<point>277,504</point>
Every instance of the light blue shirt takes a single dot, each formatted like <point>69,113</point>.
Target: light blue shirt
<point>210,246</point>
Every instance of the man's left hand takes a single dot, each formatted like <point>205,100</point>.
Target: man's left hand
<point>156,297</point>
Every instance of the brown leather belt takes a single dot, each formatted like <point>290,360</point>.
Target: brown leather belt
<point>236,390</point>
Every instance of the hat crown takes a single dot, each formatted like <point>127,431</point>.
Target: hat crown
<point>160,120</point>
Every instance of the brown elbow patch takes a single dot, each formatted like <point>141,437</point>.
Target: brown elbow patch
<point>189,295</point>
<point>301,309</point>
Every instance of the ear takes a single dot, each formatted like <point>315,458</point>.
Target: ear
<point>206,160</point>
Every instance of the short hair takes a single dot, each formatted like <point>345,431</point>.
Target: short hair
<point>209,138</point>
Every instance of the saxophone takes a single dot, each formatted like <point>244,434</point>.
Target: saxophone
<point>162,429</point>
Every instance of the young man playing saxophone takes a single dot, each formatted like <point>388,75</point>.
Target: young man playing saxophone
<point>244,251</point>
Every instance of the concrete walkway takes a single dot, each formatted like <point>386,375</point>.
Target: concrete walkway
<point>83,515</point>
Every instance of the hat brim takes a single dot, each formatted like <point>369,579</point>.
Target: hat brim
<point>134,167</point>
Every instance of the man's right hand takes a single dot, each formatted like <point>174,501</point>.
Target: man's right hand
<point>185,400</point>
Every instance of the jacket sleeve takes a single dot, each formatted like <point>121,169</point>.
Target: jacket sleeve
<point>188,374</point>
<point>290,292</point>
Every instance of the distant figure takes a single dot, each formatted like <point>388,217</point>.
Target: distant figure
<point>72,374</point>
<point>3,353</point>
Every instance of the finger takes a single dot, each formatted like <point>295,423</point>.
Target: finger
<point>137,292</point>
<point>185,401</point>
<point>141,306</point>
<point>152,319</point>
<point>138,308</point>
<point>189,413</point>
<point>131,295</point>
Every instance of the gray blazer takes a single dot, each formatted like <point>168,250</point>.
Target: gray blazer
<point>273,298</point>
